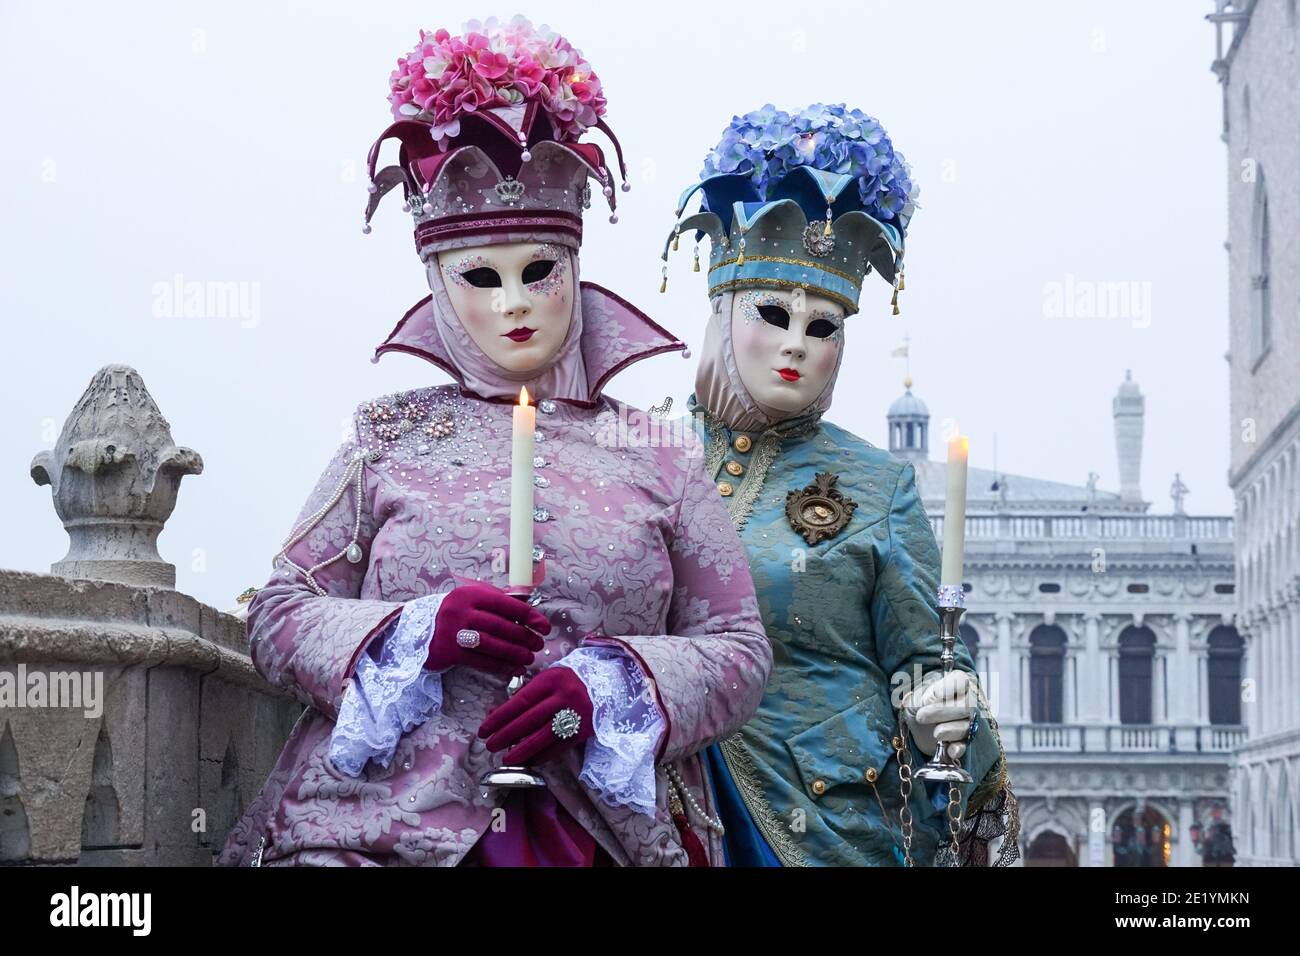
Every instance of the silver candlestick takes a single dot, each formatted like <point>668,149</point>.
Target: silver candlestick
<point>507,777</point>
<point>942,767</point>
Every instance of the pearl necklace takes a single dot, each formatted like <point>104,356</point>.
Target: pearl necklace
<point>353,550</point>
<point>692,804</point>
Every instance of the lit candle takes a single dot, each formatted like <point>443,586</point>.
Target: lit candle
<point>954,511</point>
<point>521,491</point>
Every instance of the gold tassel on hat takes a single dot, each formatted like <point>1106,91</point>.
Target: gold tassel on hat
<point>697,258</point>
<point>901,286</point>
<point>893,301</point>
<point>663,286</point>
<point>677,232</point>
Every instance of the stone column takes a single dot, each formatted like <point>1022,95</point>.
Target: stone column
<point>1182,703</point>
<point>1092,697</point>
<point>1203,686</point>
<point>1184,853</point>
<point>1069,669</point>
<point>1097,835</point>
<point>1009,669</point>
<point>1293,655</point>
<point>1272,630</point>
<point>1249,630</point>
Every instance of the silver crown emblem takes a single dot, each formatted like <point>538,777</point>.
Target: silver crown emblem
<point>510,189</point>
<point>818,239</point>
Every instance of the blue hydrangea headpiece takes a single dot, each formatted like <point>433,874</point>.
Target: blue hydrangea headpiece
<point>814,199</point>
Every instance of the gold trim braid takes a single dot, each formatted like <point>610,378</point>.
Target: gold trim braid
<point>745,775</point>
<point>742,503</point>
<point>789,262</point>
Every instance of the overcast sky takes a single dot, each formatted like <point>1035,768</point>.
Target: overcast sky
<point>1060,147</point>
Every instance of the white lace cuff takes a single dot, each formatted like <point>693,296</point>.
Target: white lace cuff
<point>619,761</point>
<point>391,692</point>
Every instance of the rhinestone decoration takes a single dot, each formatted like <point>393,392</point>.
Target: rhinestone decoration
<point>816,240</point>
<point>442,428</point>
<point>509,189</point>
<point>541,514</point>
<point>467,637</point>
<point>424,429</point>
<point>547,406</point>
<point>538,552</point>
<point>566,723</point>
<point>353,553</point>
<point>554,281</point>
<point>541,481</point>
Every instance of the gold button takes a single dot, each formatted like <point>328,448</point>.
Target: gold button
<point>735,468</point>
<point>819,787</point>
<point>870,775</point>
<point>724,488</point>
<point>898,743</point>
<point>742,443</point>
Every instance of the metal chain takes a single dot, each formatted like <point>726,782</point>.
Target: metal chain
<point>904,788</point>
<point>954,818</point>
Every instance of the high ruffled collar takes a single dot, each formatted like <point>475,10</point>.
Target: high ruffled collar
<point>614,335</point>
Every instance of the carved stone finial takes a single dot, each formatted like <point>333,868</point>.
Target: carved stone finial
<point>114,474</point>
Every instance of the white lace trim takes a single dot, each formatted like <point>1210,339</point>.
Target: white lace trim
<point>619,761</point>
<point>389,696</point>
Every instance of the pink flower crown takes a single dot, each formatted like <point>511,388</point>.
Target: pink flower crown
<point>495,65</point>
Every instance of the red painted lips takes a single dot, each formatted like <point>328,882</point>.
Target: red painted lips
<point>521,334</point>
<point>789,374</point>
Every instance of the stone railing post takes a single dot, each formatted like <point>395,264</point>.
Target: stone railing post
<point>114,474</point>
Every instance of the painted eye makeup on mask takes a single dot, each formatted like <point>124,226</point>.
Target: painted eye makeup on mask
<point>822,325</point>
<point>545,274</point>
<point>472,273</point>
<point>765,306</point>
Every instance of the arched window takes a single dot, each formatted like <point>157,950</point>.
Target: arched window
<point>971,638</point>
<point>1137,649</point>
<point>1223,668</point>
<point>1050,849</point>
<point>1142,840</point>
<point>1261,304</point>
<point>1047,675</point>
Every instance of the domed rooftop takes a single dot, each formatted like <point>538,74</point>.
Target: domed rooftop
<point>908,405</point>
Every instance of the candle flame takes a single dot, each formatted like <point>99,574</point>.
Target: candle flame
<point>523,396</point>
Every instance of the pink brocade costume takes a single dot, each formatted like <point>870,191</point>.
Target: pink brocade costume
<point>639,552</point>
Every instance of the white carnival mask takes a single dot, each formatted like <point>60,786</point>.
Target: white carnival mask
<point>787,345</point>
<point>515,300</point>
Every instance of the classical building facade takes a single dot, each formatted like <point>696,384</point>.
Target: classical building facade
<point>1104,639</point>
<point>1258,65</point>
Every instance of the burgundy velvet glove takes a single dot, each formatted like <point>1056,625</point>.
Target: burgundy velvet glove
<point>482,627</point>
<point>524,722</point>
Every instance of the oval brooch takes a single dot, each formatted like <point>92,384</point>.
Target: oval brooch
<point>819,511</point>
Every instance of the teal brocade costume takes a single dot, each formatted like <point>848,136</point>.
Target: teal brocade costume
<point>843,616</point>
<point>842,555</point>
